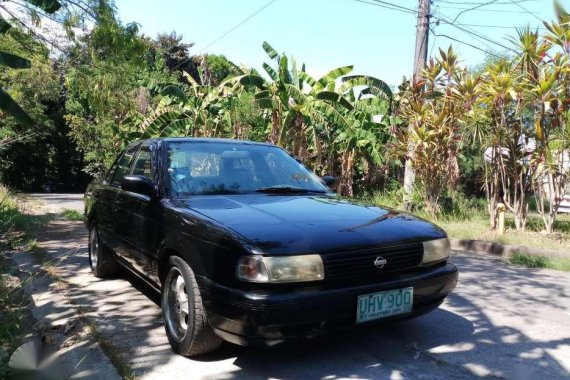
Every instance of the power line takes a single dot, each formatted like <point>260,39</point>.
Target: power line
<point>238,25</point>
<point>473,8</point>
<point>496,26</point>
<point>526,10</point>
<point>466,43</point>
<point>255,13</point>
<point>471,32</point>
<point>506,2</point>
<point>433,42</point>
<point>386,5</point>
<point>484,10</point>
<point>396,6</point>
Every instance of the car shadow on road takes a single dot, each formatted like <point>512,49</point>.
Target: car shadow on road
<point>460,340</point>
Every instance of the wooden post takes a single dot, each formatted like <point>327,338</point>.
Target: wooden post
<point>501,208</point>
<point>420,60</point>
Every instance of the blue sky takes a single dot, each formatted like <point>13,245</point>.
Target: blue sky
<point>326,34</point>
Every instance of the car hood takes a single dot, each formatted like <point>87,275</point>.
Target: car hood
<point>277,224</point>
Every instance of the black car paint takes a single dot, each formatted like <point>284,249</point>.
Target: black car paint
<point>212,231</point>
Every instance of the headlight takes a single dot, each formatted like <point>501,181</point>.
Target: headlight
<point>436,250</point>
<point>280,268</point>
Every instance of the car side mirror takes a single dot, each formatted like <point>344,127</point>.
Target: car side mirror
<point>139,184</point>
<point>329,180</point>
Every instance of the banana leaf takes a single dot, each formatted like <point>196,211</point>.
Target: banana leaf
<point>4,26</point>
<point>48,6</point>
<point>335,97</point>
<point>14,61</point>
<point>332,76</point>
<point>270,71</point>
<point>272,53</point>
<point>252,80</point>
<point>8,105</point>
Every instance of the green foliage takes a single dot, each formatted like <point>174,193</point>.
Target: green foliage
<point>106,78</point>
<point>530,261</point>
<point>7,104</point>
<point>27,154</point>
<point>328,122</point>
<point>71,214</point>
<point>436,107</point>
<point>218,68</point>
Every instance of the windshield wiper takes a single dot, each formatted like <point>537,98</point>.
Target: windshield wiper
<point>287,190</point>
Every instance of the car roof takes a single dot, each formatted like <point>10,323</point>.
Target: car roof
<point>198,139</point>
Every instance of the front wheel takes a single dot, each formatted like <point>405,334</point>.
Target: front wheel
<point>185,319</point>
<point>101,259</point>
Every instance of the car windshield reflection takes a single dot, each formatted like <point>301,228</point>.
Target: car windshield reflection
<point>205,168</point>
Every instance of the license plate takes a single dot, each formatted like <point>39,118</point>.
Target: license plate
<point>384,304</point>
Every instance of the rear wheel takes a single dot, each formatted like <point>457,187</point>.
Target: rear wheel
<point>101,259</point>
<point>185,319</point>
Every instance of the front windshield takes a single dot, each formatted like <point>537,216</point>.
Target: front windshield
<point>198,167</point>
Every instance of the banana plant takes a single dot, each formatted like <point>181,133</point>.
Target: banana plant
<point>189,110</point>
<point>327,122</point>
<point>317,118</point>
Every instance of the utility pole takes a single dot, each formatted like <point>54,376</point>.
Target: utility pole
<point>420,60</point>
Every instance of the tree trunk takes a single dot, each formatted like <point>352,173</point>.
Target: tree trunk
<point>492,195</point>
<point>274,126</point>
<point>347,173</point>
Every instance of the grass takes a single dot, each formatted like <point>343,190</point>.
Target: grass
<point>468,219</point>
<point>12,317</point>
<point>477,228</point>
<point>113,353</point>
<point>31,223</point>
<point>71,214</point>
<point>532,261</point>
<point>13,300</point>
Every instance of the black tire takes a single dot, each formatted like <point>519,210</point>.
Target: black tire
<point>197,337</point>
<point>101,259</point>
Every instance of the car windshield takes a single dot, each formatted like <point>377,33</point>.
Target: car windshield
<point>199,167</point>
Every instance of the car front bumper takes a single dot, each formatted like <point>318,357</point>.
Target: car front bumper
<point>253,317</point>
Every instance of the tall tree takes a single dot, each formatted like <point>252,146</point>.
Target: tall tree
<point>107,74</point>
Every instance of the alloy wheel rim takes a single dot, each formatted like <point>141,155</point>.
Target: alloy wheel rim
<point>176,304</point>
<point>93,248</point>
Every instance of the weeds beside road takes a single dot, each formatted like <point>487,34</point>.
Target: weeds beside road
<point>531,261</point>
<point>15,235</point>
<point>20,225</point>
<point>467,218</point>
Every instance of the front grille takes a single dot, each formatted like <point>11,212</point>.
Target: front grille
<point>359,265</point>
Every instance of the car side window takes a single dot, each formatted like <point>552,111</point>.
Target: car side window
<point>123,166</point>
<point>111,171</point>
<point>143,164</point>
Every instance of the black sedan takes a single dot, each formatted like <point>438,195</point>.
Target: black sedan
<point>247,245</point>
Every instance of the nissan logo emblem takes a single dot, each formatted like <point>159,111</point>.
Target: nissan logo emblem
<point>380,262</point>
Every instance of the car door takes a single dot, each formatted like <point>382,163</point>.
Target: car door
<point>105,196</point>
<point>139,221</point>
<point>112,190</point>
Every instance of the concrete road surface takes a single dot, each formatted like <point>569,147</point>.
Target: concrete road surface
<point>56,202</point>
<point>502,321</point>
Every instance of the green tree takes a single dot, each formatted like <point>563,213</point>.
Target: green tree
<point>107,74</point>
<point>436,106</point>
<point>7,104</point>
